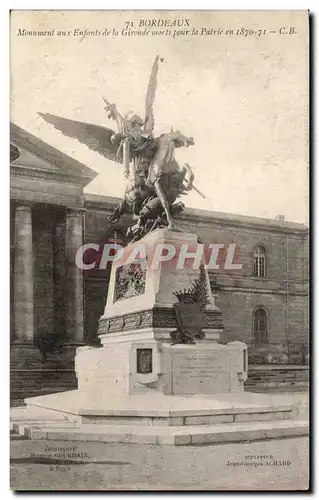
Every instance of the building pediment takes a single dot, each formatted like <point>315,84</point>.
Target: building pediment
<point>31,157</point>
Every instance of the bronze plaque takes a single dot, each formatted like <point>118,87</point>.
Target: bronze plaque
<point>144,361</point>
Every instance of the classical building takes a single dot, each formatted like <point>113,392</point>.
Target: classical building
<point>55,307</point>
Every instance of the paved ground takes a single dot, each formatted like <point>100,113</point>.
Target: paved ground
<point>280,464</point>
<point>119,466</point>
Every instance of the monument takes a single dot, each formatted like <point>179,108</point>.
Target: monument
<point>162,374</point>
<point>160,329</point>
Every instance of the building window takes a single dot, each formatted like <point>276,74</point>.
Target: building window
<point>260,262</point>
<point>261,334</point>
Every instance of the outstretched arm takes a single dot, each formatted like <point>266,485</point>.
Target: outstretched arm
<point>115,115</point>
<point>187,169</point>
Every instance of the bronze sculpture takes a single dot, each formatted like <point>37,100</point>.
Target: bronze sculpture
<point>155,179</point>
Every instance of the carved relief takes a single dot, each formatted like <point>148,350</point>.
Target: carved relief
<point>129,282</point>
<point>164,317</point>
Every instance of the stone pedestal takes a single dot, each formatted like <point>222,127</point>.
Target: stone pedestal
<point>139,304</point>
<point>143,367</point>
<point>137,354</point>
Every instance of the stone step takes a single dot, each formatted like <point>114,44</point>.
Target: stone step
<point>254,379</point>
<point>277,378</point>
<point>170,435</point>
<point>276,387</point>
<point>155,409</point>
<point>35,413</point>
<point>199,417</point>
<point>19,427</point>
<point>125,417</point>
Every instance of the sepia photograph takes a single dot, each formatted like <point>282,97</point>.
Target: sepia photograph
<point>159,250</point>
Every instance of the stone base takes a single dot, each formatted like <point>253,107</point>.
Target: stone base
<point>122,367</point>
<point>196,435</point>
<point>159,419</point>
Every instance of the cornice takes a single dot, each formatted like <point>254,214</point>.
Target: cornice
<point>33,173</point>
<point>266,291</point>
<point>230,221</point>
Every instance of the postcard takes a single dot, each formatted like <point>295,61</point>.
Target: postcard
<point>159,165</point>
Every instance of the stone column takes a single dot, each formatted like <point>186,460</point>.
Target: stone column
<point>59,276</point>
<point>74,276</point>
<point>23,275</point>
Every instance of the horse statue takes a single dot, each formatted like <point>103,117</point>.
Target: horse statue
<point>152,190</point>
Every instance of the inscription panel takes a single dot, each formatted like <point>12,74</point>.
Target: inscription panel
<point>200,373</point>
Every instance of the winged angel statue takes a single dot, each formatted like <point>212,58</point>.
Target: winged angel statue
<point>154,178</point>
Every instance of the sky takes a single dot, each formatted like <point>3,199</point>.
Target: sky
<point>243,99</point>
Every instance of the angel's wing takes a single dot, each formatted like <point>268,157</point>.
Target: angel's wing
<point>95,137</point>
<point>150,97</point>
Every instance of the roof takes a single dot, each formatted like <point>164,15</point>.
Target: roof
<point>53,160</point>
<point>108,202</point>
